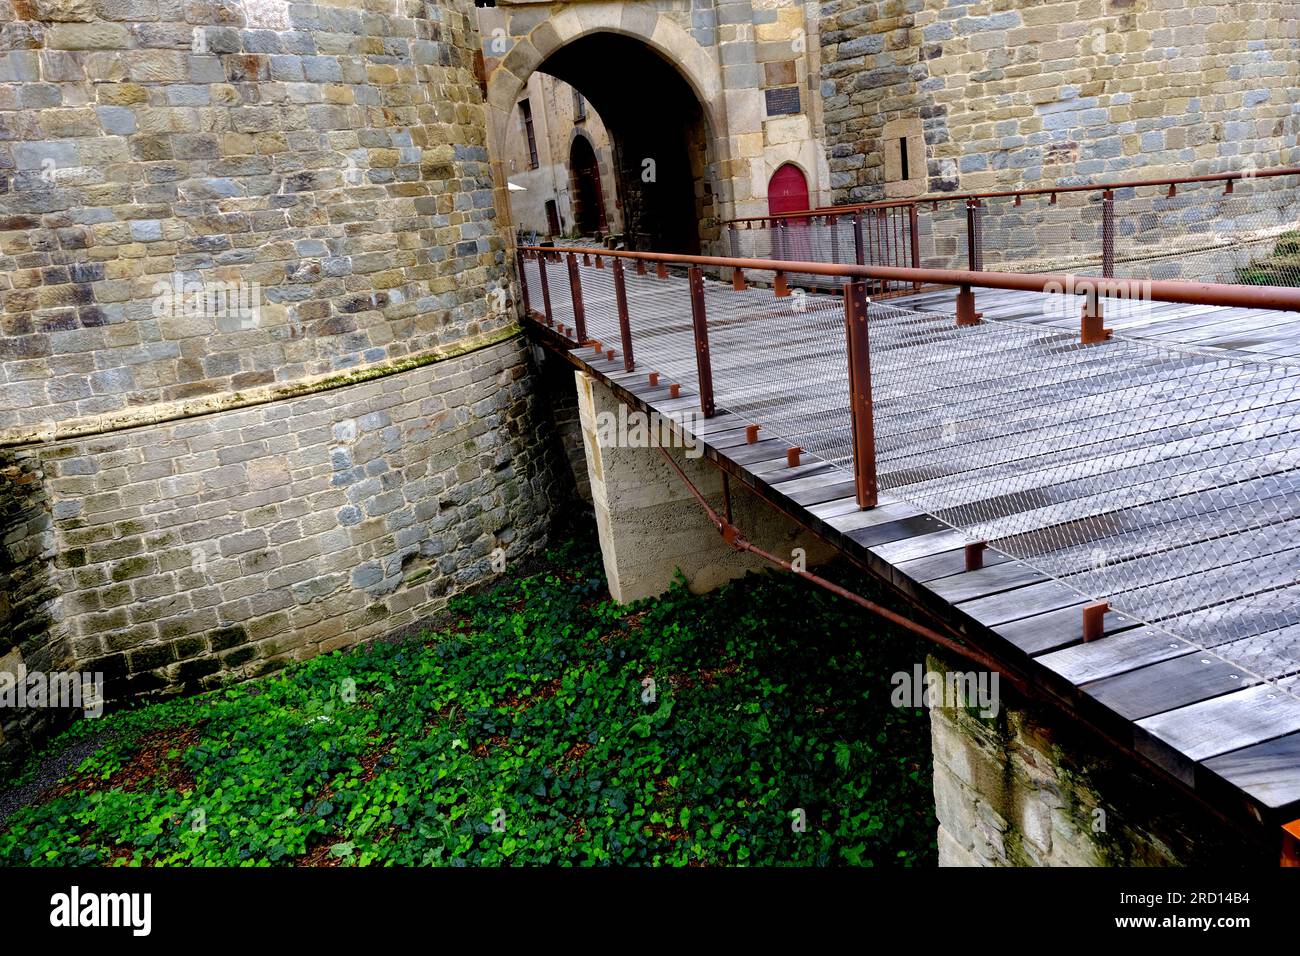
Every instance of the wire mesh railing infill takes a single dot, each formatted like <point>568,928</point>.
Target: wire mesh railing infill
<point>1158,478</point>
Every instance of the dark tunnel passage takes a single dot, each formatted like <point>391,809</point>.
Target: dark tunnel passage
<point>661,142</point>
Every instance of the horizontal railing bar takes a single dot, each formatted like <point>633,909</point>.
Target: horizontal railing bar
<point>1162,290</point>
<point>824,211</point>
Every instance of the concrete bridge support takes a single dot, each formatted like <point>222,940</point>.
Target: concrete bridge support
<point>650,524</point>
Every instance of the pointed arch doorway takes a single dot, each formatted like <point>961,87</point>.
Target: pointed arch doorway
<point>787,190</point>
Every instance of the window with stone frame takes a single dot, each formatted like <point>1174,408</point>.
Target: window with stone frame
<point>526,112</point>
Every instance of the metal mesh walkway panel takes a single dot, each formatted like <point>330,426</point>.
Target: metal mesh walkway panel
<point>1162,479</point>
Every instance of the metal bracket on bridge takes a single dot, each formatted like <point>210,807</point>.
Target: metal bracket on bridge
<point>966,314</point>
<point>1290,844</point>
<point>975,555</point>
<point>792,456</point>
<point>654,379</point>
<point>779,285</point>
<point>1094,621</point>
<point>1091,329</point>
<point>751,434</point>
<point>738,280</point>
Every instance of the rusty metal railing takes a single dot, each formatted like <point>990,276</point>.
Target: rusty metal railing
<point>568,315</point>
<point>1232,227</point>
<point>1154,482</point>
<point>883,234</point>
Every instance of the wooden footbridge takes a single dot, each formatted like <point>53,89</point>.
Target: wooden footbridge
<point>1091,480</point>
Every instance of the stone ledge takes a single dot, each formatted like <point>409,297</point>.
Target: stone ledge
<point>175,411</point>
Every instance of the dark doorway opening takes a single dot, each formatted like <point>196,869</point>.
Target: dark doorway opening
<point>659,137</point>
<point>588,197</point>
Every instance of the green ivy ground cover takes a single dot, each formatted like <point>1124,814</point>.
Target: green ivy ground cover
<point>525,733</point>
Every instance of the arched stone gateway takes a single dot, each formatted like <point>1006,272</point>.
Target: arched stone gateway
<point>717,99</point>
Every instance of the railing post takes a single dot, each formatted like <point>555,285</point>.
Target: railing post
<point>523,283</point>
<point>624,322</point>
<point>575,290</point>
<point>1094,621</point>
<point>974,254</point>
<point>859,253</point>
<point>778,232</point>
<point>1091,321</point>
<point>704,366</point>
<point>914,241</point>
<point>966,314</point>
<point>1108,234</point>
<point>735,240</point>
<point>832,223</point>
<point>546,290</point>
<point>860,405</point>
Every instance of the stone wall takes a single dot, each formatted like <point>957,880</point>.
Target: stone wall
<point>29,641</point>
<point>1023,93</point>
<point>262,393</point>
<point>1026,788</point>
<point>556,126</point>
<point>230,544</point>
<point>555,385</point>
<point>328,161</point>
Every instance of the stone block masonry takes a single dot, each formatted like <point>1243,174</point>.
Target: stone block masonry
<point>28,640</point>
<point>227,545</point>
<point>731,53</point>
<point>1027,788</point>
<point>262,393</point>
<point>1025,93</point>
<point>326,162</point>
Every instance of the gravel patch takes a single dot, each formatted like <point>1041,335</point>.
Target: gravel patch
<point>52,770</point>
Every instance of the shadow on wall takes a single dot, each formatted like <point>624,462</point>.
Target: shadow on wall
<point>30,644</point>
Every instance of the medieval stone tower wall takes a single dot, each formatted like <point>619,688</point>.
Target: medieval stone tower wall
<point>1001,94</point>
<point>263,393</point>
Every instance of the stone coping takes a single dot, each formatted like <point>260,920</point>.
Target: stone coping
<point>260,395</point>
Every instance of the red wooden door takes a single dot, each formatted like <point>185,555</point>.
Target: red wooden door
<point>787,191</point>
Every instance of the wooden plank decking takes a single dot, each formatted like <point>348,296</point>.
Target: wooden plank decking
<point>1229,731</point>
